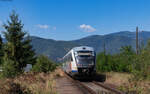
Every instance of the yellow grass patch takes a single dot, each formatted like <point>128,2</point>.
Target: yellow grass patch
<point>126,82</point>
<point>29,83</point>
<point>117,78</point>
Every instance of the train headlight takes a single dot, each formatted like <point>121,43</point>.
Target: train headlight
<point>79,64</point>
<point>91,64</point>
<point>76,54</point>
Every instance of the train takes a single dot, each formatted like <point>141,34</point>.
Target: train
<point>80,61</point>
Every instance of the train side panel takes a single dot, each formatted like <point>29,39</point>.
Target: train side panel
<point>73,64</point>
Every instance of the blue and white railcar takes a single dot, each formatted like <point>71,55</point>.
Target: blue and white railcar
<point>80,60</point>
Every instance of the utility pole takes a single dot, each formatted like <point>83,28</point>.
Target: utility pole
<point>104,49</point>
<point>137,45</point>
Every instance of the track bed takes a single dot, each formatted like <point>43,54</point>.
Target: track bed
<point>68,85</point>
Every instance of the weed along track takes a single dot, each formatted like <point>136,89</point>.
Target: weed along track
<point>92,87</point>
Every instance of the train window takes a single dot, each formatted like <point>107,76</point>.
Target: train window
<point>85,53</point>
<point>68,58</point>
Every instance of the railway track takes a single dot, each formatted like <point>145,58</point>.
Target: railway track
<point>94,87</point>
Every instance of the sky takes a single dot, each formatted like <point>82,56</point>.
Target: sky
<point>75,19</point>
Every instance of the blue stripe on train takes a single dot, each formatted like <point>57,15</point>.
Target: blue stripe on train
<point>74,71</point>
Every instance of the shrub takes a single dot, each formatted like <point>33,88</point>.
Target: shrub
<point>141,66</point>
<point>104,62</point>
<point>127,61</point>
<point>121,62</point>
<point>43,65</point>
<point>9,69</point>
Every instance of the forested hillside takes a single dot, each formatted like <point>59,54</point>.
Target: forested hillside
<point>57,49</point>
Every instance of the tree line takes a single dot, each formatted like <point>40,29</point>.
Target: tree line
<point>16,52</point>
<point>127,61</point>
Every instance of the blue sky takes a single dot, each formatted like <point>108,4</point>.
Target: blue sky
<point>74,19</point>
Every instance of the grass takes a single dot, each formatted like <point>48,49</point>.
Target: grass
<point>29,83</point>
<point>126,82</point>
<point>117,78</point>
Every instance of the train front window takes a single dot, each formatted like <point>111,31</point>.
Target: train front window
<point>85,53</point>
<point>85,57</point>
<point>85,60</point>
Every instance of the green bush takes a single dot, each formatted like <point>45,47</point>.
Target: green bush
<point>104,62</point>
<point>121,62</point>
<point>43,65</point>
<point>9,68</point>
<point>127,61</point>
<point>141,66</point>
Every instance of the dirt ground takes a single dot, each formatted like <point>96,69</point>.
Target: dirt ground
<point>64,85</point>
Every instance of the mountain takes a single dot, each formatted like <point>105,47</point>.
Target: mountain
<point>57,49</point>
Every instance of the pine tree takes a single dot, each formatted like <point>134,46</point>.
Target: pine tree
<point>1,50</point>
<point>18,50</point>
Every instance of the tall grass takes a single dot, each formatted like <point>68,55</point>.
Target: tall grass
<point>29,83</point>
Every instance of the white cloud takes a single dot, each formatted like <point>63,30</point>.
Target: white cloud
<point>46,27</point>
<point>43,26</point>
<point>87,28</point>
<point>1,23</point>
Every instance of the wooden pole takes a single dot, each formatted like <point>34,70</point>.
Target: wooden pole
<point>137,45</point>
<point>104,49</point>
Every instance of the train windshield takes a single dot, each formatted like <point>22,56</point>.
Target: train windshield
<point>85,53</point>
<point>85,57</point>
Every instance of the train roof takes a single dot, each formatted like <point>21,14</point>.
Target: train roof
<point>80,48</point>
<point>83,48</point>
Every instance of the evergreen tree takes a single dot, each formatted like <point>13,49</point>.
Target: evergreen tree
<point>18,50</point>
<point>1,50</point>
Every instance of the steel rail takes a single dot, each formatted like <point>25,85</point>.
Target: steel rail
<point>87,89</point>
<point>83,87</point>
<point>116,91</point>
